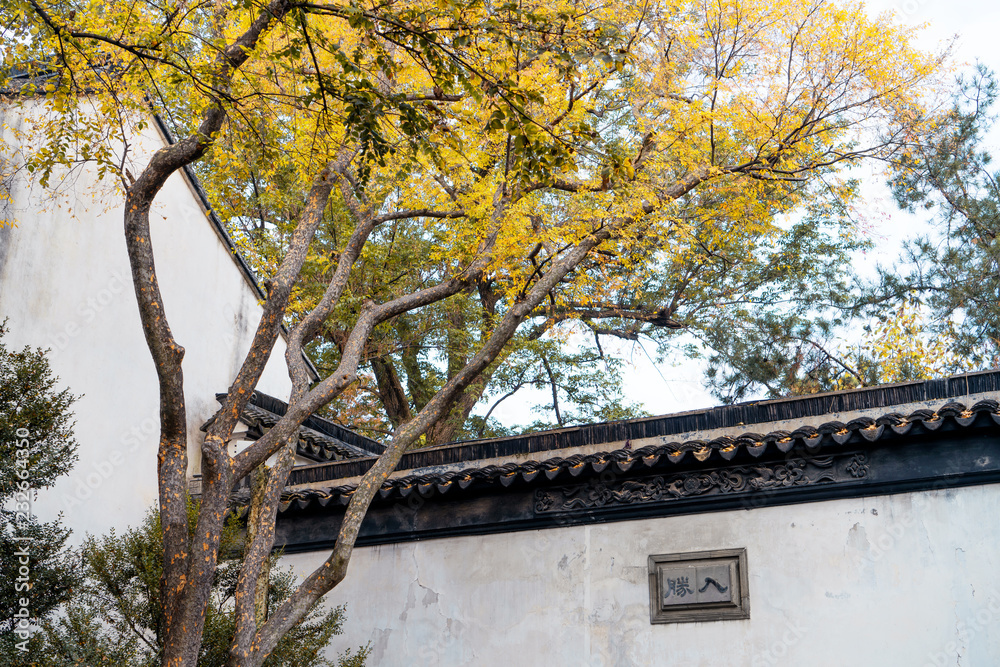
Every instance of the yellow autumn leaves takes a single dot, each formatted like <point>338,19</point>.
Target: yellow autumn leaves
<point>537,122</point>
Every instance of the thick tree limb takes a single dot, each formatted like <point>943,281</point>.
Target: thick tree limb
<point>254,574</point>
<point>418,213</point>
<point>279,293</point>
<point>185,575</point>
<point>390,390</point>
<point>659,317</point>
<point>346,372</point>
<point>310,325</point>
<point>333,570</point>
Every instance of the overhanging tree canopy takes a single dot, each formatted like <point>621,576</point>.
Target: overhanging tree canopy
<point>540,159</point>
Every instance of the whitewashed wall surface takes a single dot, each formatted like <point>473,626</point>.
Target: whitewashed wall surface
<point>904,580</point>
<point>65,284</point>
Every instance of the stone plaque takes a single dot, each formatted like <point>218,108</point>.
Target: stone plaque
<point>700,586</point>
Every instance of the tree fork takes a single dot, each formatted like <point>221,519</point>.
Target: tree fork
<point>333,570</point>
<point>184,602</point>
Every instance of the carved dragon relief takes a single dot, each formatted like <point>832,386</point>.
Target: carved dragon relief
<point>739,479</point>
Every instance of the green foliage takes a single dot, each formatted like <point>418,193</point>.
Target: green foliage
<point>956,270</point>
<point>29,399</point>
<point>36,447</point>
<point>762,309</point>
<point>115,617</point>
<point>581,383</point>
<point>935,313</point>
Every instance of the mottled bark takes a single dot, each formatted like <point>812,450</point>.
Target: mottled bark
<point>254,577</point>
<point>255,521</point>
<point>656,316</point>
<point>190,561</point>
<point>346,372</point>
<point>333,570</point>
<point>188,566</point>
<point>279,291</point>
<point>212,513</point>
<point>447,429</point>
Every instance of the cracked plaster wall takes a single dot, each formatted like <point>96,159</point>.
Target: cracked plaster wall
<point>902,580</point>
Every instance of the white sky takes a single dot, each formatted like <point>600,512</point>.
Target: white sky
<point>678,386</point>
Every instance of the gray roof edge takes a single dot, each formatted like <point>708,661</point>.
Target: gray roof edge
<point>805,409</point>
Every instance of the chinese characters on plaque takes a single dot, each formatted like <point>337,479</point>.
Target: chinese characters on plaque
<point>689,584</point>
<point>702,586</point>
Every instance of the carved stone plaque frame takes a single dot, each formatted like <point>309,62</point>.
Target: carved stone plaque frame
<point>699,586</point>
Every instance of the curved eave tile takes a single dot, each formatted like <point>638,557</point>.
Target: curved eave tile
<point>652,456</point>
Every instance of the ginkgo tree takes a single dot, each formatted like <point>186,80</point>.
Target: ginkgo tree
<point>547,156</point>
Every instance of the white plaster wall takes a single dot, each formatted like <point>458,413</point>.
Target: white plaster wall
<point>904,580</point>
<point>65,284</point>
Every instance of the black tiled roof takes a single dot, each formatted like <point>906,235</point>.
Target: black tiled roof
<point>832,434</point>
<point>319,439</point>
<point>799,408</point>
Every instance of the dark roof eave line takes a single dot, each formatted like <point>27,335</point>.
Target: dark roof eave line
<point>865,426</point>
<point>349,443</point>
<point>865,431</point>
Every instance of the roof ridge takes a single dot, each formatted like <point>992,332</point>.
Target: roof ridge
<point>692,421</point>
<point>826,435</point>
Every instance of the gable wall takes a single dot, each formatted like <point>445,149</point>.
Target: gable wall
<point>65,284</point>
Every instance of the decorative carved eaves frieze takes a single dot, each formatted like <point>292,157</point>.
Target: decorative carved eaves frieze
<point>947,448</point>
<point>599,494</point>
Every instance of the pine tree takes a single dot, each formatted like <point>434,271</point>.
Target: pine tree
<point>37,571</point>
<point>956,270</point>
